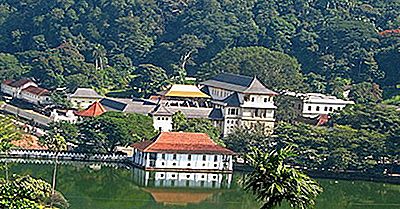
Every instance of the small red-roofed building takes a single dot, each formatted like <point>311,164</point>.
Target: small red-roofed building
<point>182,151</point>
<point>95,109</point>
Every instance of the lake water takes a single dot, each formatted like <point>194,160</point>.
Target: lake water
<point>89,186</point>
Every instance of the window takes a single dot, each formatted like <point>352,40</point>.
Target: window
<point>215,158</point>
<point>204,158</point>
<point>215,165</point>
<point>265,99</point>
<point>174,156</point>
<point>163,156</point>
<point>188,164</point>
<point>174,164</point>
<point>189,157</point>
<point>330,109</point>
<point>158,118</point>
<point>326,109</point>
<point>338,108</point>
<point>309,108</point>
<point>252,99</point>
<point>317,108</point>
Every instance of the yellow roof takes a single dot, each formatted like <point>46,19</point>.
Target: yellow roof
<point>179,90</point>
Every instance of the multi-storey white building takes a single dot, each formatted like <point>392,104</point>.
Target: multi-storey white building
<point>312,105</point>
<point>242,101</point>
<point>181,151</point>
<point>14,88</point>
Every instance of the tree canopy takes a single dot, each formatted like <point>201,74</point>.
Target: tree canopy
<point>104,44</point>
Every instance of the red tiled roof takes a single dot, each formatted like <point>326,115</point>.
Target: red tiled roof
<point>20,82</point>
<point>7,82</point>
<point>182,142</point>
<point>36,91</point>
<point>93,110</point>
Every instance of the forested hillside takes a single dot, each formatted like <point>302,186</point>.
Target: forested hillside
<point>315,45</point>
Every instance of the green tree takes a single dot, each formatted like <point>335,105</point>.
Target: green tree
<point>55,143</point>
<point>275,69</point>
<point>104,133</point>
<point>25,192</point>
<point>196,125</point>
<point>365,92</point>
<point>10,67</point>
<point>274,181</point>
<point>241,140</point>
<point>149,79</point>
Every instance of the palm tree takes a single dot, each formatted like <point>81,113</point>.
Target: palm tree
<point>273,181</point>
<point>56,143</point>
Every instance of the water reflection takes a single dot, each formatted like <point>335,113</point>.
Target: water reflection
<point>94,186</point>
<point>182,179</point>
<point>181,188</point>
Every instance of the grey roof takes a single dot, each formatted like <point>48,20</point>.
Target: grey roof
<point>85,93</point>
<point>113,105</point>
<point>238,83</point>
<point>161,110</point>
<point>128,105</point>
<point>192,112</point>
<point>216,114</point>
<point>234,100</point>
<point>147,107</point>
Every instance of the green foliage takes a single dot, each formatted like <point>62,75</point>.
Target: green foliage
<point>150,79</point>
<point>197,125</point>
<point>275,69</point>
<point>61,100</point>
<point>103,133</point>
<point>273,181</point>
<point>101,44</point>
<point>364,93</point>
<point>285,111</point>
<point>241,140</point>
<point>10,67</point>
<point>53,142</point>
<point>8,132</point>
<point>25,192</point>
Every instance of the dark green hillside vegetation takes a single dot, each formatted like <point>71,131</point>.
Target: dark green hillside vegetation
<point>105,44</point>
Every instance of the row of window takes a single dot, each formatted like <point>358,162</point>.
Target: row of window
<point>220,92</point>
<point>162,118</point>
<point>189,157</point>
<point>233,111</point>
<point>248,98</point>
<point>318,108</point>
<point>152,163</point>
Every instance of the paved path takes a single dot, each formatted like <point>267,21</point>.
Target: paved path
<point>26,114</point>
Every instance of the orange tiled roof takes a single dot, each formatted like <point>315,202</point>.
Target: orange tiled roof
<point>182,142</point>
<point>95,109</point>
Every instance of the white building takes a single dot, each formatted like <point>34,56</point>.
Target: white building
<point>14,88</point>
<point>35,95</point>
<point>63,115</point>
<point>82,98</point>
<point>241,101</point>
<point>175,179</point>
<point>312,105</point>
<point>179,151</point>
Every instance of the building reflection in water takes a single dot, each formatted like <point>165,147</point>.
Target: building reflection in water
<point>181,188</point>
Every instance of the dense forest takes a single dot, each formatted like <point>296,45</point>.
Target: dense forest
<point>141,45</point>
